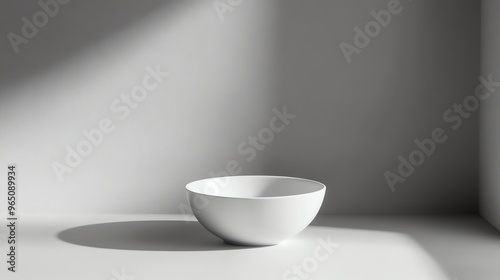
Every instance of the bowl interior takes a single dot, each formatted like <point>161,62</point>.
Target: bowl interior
<point>254,186</point>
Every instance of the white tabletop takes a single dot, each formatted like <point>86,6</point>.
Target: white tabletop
<point>149,247</point>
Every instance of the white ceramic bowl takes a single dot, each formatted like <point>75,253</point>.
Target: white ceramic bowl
<point>255,210</point>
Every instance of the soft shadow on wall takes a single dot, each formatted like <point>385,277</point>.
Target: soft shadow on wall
<point>73,28</point>
<point>355,118</point>
<point>67,78</point>
<point>61,82</point>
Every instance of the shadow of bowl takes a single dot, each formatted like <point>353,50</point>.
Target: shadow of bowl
<point>146,236</point>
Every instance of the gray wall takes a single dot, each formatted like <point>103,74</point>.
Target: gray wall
<point>227,79</point>
<point>490,115</point>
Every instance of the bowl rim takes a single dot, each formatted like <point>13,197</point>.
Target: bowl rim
<point>322,189</point>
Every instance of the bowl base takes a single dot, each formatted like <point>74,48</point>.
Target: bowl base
<point>236,243</point>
